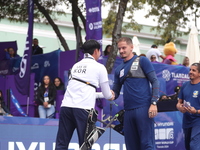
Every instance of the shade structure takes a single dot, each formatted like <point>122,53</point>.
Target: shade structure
<point>136,45</point>
<point>192,51</point>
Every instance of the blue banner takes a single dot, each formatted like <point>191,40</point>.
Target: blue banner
<point>16,104</point>
<point>93,20</point>
<point>170,76</point>
<point>22,79</point>
<point>168,134</point>
<point>46,64</point>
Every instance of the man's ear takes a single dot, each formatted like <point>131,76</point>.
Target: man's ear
<point>132,46</point>
<point>96,51</point>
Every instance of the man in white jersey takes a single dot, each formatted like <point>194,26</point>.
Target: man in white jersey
<point>80,95</point>
<point>154,51</point>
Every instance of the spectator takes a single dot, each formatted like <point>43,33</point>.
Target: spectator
<point>11,53</point>
<point>176,90</point>
<point>186,62</point>
<point>153,58</point>
<point>164,97</point>
<point>134,53</point>
<point>59,84</point>
<point>107,50</point>
<point>154,51</point>
<point>3,109</point>
<point>36,49</point>
<point>46,96</point>
<point>142,55</point>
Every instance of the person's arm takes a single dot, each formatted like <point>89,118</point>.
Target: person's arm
<point>155,86</point>
<point>180,106</point>
<point>52,96</point>
<point>106,92</point>
<point>117,84</point>
<point>163,57</point>
<point>40,95</point>
<point>153,110</point>
<point>117,88</point>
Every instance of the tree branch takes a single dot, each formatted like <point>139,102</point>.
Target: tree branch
<point>54,26</point>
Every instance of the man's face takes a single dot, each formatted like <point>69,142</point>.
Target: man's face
<point>97,54</point>
<point>125,50</point>
<point>35,42</point>
<point>194,73</point>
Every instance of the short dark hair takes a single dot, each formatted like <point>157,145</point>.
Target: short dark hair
<point>125,39</point>
<point>154,46</point>
<point>89,46</point>
<point>35,39</point>
<point>197,65</point>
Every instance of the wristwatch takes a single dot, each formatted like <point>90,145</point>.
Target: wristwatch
<point>153,103</point>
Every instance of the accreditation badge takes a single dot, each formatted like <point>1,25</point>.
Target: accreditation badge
<point>121,73</point>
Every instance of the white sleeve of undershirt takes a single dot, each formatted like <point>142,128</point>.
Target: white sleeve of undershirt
<point>106,93</point>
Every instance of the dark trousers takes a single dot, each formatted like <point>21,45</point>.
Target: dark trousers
<point>139,130</point>
<point>71,119</point>
<point>192,138</point>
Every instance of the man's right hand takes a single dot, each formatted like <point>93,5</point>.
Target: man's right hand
<point>181,107</point>
<point>113,95</point>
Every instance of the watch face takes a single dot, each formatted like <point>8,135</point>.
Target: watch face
<point>154,103</point>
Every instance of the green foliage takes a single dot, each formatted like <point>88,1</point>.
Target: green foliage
<point>109,22</point>
<point>16,10</point>
<point>172,17</point>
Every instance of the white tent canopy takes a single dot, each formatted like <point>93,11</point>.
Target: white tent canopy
<point>136,44</point>
<point>192,51</point>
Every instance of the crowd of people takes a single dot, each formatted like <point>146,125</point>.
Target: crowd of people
<point>46,96</point>
<point>12,53</point>
<point>154,55</point>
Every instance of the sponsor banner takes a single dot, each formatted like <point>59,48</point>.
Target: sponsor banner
<point>66,60</point>
<point>168,131</point>
<point>22,79</point>
<point>46,64</point>
<point>5,67</point>
<point>28,133</point>
<point>171,76</point>
<point>93,20</point>
<point>9,81</point>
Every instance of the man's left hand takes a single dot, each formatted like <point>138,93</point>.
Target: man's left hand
<point>153,111</point>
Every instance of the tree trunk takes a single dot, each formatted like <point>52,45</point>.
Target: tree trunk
<point>77,10</point>
<point>76,24</point>
<point>116,35</point>
<point>54,26</point>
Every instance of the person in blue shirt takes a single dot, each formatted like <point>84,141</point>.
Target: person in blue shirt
<point>11,53</point>
<point>140,94</point>
<point>189,105</point>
